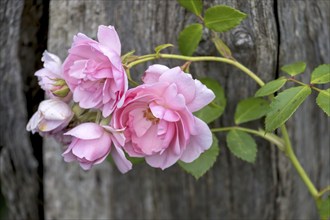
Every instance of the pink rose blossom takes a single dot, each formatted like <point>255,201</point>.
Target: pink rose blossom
<point>51,79</point>
<point>53,116</point>
<point>91,144</point>
<point>158,120</point>
<point>94,72</point>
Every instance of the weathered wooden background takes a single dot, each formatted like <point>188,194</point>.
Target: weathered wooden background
<point>275,33</point>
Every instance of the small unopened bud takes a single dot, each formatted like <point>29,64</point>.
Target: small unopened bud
<point>61,92</point>
<point>222,48</point>
<point>53,115</point>
<point>59,82</point>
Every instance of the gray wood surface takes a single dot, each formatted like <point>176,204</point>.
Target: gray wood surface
<point>18,167</point>
<point>275,33</point>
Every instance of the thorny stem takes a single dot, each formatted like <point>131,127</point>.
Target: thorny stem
<point>302,173</point>
<point>195,59</point>
<point>287,143</point>
<point>304,84</point>
<point>267,136</point>
<point>323,191</point>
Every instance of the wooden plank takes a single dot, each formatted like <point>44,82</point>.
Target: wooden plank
<point>304,36</point>
<point>18,167</point>
<point>232,189</point>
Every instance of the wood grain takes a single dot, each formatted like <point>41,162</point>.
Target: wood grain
<point>275,33</point>
<point>18,167</point>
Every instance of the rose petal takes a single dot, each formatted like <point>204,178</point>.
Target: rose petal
<point>108,36</point>
<point>202,98</point>
<point>198,143</point>
<point>93,149</point>
<point>120,160</point>
<point>86,131</point>
<point>184,82</point>
<point>153,73</point>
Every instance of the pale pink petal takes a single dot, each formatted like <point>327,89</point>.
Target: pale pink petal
<point>87,99</point>
<point>52,63</point>
<point>94,149</point>
<point>120,160</point>
<point>150,142</point>
<point>153,73</point>
<point>174,100</point>
<point>45,126</point>
<point>171,116</point>
<point>108,36</point>
<point>166,159</point>
<point>69,157</point>
<point>184,82</point>
<point>86,131</point>
<point>33,122</point>
<point>157,110</point>
<point>139,123</point>
<point>198,143</point>
<point>86,165</point>
<point>129,149</point>
<point>80,39</point>
<point>55,109</point>
<point>117,135</point>
<point>202,98</point>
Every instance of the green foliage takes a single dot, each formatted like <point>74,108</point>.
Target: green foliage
<point>204,162</point>
<point>324,208</point>
<point>294,68</point>
<point>222,48</point>
<point>242,145</point>
<point>323,101</point>
<point>129,57</point>
<point>222,18</point>
<point>321,74</point>
<point>216,108</point>
<point>189,39</point>
<point>162,47</point>
<point>271,87</point>
<point>251,109</point>
<point>284,105</point>
<point>194,6</point>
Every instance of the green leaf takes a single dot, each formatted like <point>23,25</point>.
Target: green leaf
<point>194,6</point>
<point>242,145</point>
<point>222,18</point>
<point>123,57</point>
<point>222,48</point>
<point>162,47</point>
<point>129,57</point>
<point>204,162</point>
<point>189,39</point>
<point>271,87</point>
<point>324,208</point>
<point>284,105</point>
<point>251,109</point>
<point>294,68</point>
<point>321,74</point>
<point>216,108</point>
<point>323,101</point>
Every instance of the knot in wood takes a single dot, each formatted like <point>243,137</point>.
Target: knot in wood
<point>242,39</point>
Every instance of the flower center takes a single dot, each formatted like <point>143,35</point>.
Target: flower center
<point>149,116</point>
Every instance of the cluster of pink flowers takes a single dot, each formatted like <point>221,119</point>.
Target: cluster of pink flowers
<point>91,109</point>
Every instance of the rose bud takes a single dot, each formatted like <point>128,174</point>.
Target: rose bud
<point>51,79</point>
<point>53,115</point>
<point>91,144</point>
